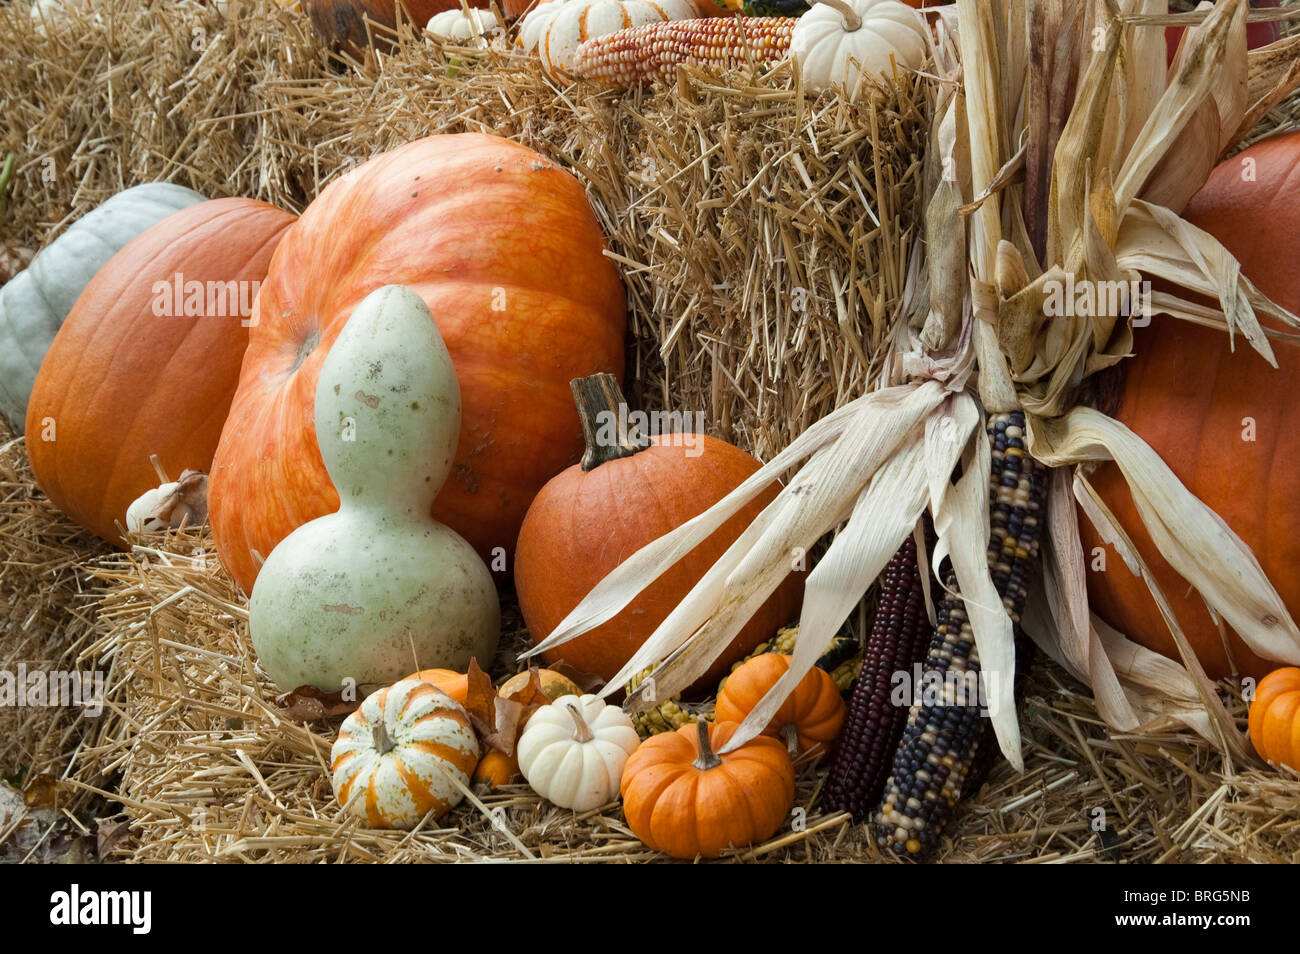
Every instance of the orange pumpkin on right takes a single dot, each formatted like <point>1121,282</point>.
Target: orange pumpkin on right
<point>1195,401</point>
<point>624,494</point>
<point>1275,718</point>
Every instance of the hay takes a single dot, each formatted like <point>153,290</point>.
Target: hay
<point>763,237</point>
<point>208,767</point>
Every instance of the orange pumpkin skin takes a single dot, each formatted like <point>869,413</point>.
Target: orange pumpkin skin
<point>496,769</point>
<point>1275,717</point>
<point>1188,396</point>
<point>120,382</point>
<point>687,812</point>
<point>584,524</point>
<point>812,714</point>
<point>453,683</point>
<point>503,246</point>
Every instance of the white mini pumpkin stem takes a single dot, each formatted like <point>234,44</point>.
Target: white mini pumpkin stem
<point>707,759</point>
<point>159,470</point>
<point>852,22</point>
<point>383,741</point>
<point>581,731</point>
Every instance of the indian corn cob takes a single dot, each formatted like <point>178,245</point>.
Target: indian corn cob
<point>933,759</point>
<point>899,636</point>
<point>653,51</point>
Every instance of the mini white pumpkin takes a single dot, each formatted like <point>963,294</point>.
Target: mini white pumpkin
<point>572,752</point>
<point>557,28</point>
<point>396,757</point>
<point>837,41</point>
<point>170,505</point>
<point>469,28</point>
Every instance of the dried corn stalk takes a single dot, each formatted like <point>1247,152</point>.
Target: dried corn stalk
<point>1057,136</point>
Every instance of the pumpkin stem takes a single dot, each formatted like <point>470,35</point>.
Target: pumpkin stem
<point>383,741</point>
<point>707,760</point>
<point>790,736</point>
<point>852,21</point>
<point>581,731</point>
<point>602,409</point>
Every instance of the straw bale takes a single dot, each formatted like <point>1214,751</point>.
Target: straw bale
<point>763,237</point>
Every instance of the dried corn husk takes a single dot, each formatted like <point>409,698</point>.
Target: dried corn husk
<point>1062,152</point>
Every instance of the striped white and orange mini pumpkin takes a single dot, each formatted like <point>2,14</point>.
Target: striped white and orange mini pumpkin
<point>556,28</point>
<point>396,756</point>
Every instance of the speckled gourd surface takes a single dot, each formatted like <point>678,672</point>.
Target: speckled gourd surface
<point>367,593</point>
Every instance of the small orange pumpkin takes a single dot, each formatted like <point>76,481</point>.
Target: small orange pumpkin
<point>1275,717</point>
<point>624,494</point>
<point>680,798</point>
<point>453,683</point>
<point>808,720</point>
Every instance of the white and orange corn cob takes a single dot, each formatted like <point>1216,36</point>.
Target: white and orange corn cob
<point>653,52</point>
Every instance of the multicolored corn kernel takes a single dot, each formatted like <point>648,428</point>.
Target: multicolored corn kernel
<point>899,635</point>
<point>938,748</point>
<point>652,52</point>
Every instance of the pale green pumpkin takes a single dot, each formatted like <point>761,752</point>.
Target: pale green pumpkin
<point>35,302</point>
<point>379,588</point>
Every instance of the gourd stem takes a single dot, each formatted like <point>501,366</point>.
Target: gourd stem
<point>852,21</point>
<point>581,731</point>
<point>707,760</point>
<point>602,410</point>
<point>790,736</point>
<point>383,741</point>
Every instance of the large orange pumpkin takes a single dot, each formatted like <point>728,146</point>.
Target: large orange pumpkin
<point>1195,402</point>
<point>148,359</point>
<point>503,247</point>
<point>596,514</point>
<point>1275,717</point>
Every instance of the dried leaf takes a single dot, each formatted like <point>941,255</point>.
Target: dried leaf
<point>309,704</point>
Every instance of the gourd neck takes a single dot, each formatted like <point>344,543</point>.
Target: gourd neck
<point>602,409</point>
<point>707,759</point>
<point>852,21</point>
<point>581,731</point>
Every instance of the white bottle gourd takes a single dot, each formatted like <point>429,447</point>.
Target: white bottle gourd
<point>378,589</point>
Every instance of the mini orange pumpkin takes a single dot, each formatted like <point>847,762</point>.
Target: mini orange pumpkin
<point>680,798</point>
<point>808,720</point>
<point>453,683</point>
<point>1275,717</point>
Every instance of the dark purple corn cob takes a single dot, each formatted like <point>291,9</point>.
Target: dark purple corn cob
<point>899,636</point>
<point>934,758</point>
